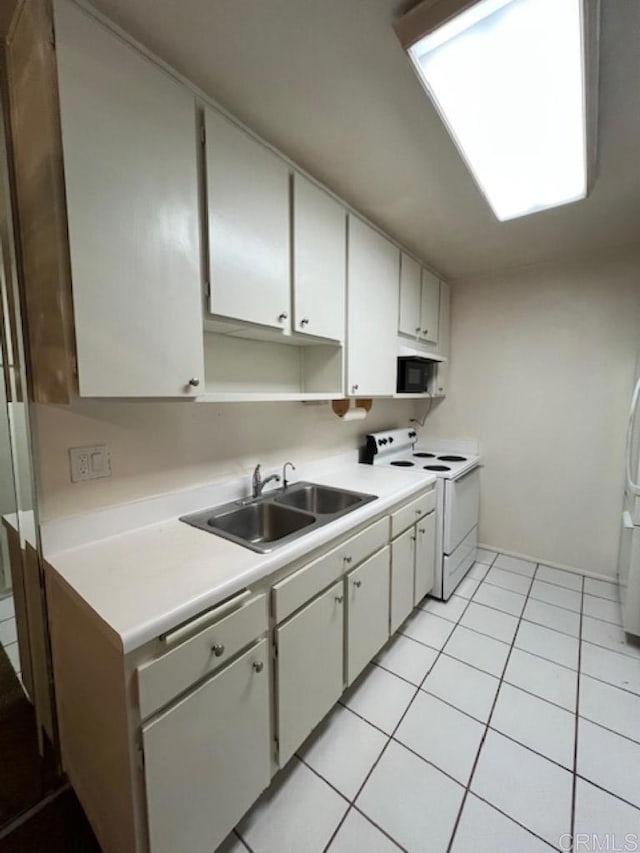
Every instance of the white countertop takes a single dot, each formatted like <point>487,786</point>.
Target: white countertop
<point>145,581</point>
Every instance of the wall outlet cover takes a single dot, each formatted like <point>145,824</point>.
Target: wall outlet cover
<point>89,463</point>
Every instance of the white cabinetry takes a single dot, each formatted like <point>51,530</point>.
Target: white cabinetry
<point>129,143</point>
<point>419,301</point>
<point>248,226</point>
<point>412,556</point>
<point>429,307</point>
<point>310,672</point>
<point>410,296</point>
<point>372,284</point>
<point>442,369</point>
<point>403,558</point>
<point>425,556</point>
<point>319,261</point>
<point>208,757</point>
<point>367,612</point>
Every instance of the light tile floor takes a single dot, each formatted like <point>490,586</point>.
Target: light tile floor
<point>8,635</point>
<point>501,721</point>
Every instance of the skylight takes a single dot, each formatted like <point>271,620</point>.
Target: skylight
<point>508,79</point>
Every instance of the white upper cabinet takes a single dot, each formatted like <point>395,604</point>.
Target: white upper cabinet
<point>410,296</point>
<point>129,142</point>
<point>419,301</point>
<point>429,307</point>
<point>373,281</point>
<point>248,219</point>
<point>319,261</point>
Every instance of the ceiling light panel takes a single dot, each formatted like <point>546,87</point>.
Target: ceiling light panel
<point>508,78</point>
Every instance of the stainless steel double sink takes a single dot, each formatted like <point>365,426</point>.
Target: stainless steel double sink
<point>278,517</point>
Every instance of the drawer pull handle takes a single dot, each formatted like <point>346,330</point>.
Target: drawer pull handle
<point>422,529</point>
<point>348,560</point>
<point>339,599</point>
<point>258,666</point>
<point>357,583</point>
<point>218,649</point>
<point>185,630</point>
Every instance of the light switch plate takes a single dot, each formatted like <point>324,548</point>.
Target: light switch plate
<point>89,463</point>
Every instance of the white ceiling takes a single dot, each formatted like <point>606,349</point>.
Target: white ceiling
<point>327,83</point>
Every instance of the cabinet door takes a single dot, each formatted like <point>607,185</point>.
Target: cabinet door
<point>372,282</point>
<point>425,555</point>
<point>410,290</point>
<point>403,555</point>
<point>130,163</point>
<point>442,375</point>
<point>310,677</point>
<point>208,758</point>
<point>248,214</point>
<point>319,261</point>
<point>430,307</point>
<point>367,611</point>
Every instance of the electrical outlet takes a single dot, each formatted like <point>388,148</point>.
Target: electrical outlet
<point>89,463</point>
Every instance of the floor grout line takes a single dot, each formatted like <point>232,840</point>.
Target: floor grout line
<point>615,651</point>
<point>421,688</point>
<point>607,791</point>
<point>391,736</point>
<point>612,731</point>
<point>575,729</point>
<point>487,727</point>
<point>512,819</point>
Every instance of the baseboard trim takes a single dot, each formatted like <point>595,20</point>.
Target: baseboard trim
<point>563,566</point>
<point>8,828</point>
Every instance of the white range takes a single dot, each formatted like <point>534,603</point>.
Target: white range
<point>456,465</point>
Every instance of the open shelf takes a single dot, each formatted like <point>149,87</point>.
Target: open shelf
<point>239,369</point>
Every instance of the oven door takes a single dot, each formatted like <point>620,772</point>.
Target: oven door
<point>461,508</point>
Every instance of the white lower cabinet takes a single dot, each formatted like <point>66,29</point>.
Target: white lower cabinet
<point>208,757</point>
<point>367,611</point>
<point>403,557</point>
<point>412,567</point>
<point>310,668</point>
<point>425,556</point>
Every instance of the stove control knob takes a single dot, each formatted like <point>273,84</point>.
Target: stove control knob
<point>412,433</point>
<point>390,439</point>
<point>383,441</point>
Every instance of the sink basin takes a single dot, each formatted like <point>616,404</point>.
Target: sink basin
<point>321,500</point>
<point>261,522</point>
<point>279,516</point>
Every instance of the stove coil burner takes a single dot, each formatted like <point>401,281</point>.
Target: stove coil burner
<point>425,455</point>
<point>437,468</point>
<point>403,464</point>
<point>453,458</point>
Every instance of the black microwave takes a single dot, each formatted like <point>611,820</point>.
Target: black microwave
<point>414,375</point>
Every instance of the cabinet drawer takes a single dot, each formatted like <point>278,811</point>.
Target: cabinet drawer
<point>162,679</point>
<point>298,588</point>
<point>411,512</point>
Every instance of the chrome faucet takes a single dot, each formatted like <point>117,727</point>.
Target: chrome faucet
<point>285,482</point>
<point>259,483</point>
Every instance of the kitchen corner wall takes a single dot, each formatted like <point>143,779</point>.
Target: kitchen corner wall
<point>541,374</point>
<point>164,447</point>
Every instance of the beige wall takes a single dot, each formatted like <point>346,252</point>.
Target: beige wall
<point>160,447</point>
<point>542,371</point>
